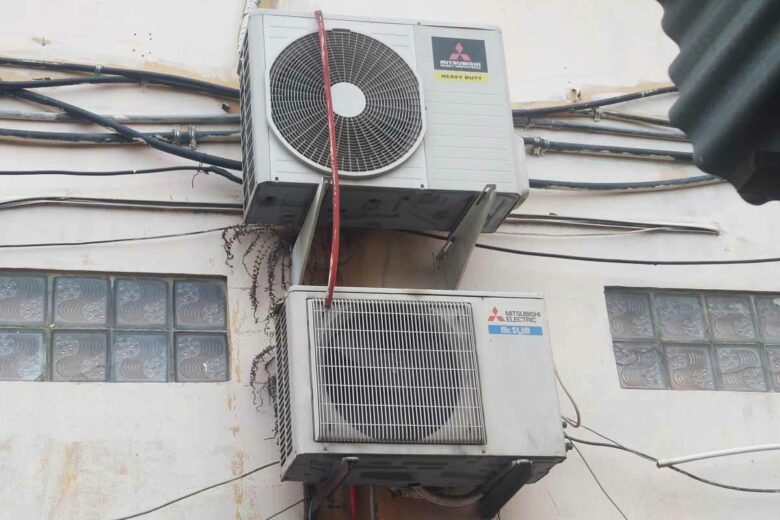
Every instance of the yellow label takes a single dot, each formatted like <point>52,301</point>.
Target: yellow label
<point>471,77</point>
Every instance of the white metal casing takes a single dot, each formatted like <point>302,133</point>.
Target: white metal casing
<point>468,140</point>
<point>519,398</point>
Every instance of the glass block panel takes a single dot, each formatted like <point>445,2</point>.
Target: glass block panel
<point>768,308</point>
<point>639,365</point>
<point>141,303</point>
<point>201,357</point>
<point>740,368</point>
<point>200,304</point>
<point>773,358</point>
<point>629,315</point>
<point>731,318</point>
<point>80,301</point>
<point>22,300</point>
<point>681,317</point>
<point>140,356</point>
<point>79,356</point>
<point>22,355</point>
<point>689,367</point>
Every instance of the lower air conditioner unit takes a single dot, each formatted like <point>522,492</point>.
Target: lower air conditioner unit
<point>422,113</point>
<point>429,388</point>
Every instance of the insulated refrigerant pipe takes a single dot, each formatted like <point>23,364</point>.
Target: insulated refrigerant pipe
<point>334,162</point>
<point>714,454</point>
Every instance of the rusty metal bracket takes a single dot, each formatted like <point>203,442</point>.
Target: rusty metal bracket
<point>503,486</point>
<point>328,485</point>
<point>453,258</point>
<point>300,251</point>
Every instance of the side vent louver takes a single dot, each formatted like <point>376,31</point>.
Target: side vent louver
<point>283,414</point>
<point>247,137</point>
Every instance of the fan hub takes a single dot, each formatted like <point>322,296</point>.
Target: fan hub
<point>348,99</point>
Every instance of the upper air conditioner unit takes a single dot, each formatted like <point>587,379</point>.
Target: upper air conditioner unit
<point>423,121</point>
<point>428,388</point>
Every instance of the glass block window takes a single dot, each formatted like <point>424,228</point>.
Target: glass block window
<point>693,340</point>
<point>112,328</point>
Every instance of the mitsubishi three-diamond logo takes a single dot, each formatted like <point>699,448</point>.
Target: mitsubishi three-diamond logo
<point>459,54</point>
<point>495,316</point>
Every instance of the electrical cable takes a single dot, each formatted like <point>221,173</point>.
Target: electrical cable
<point>540,145</point>
<point>116,240</point>
<point>575,126</point>
<point>626,187</point>
<point>170,502</point>
<point>172,80</point>
<point>285,509</point>
<point>113,173</point>
<point>209,207</point>
<point>598,482</point>
<point>618,446</point>
<point>138,119</point>
<point>531,112</point>
<point>632,118</point>
<point>602,259</point>
<point>564,220</point>
<point>181,137</point>
<point>582,235</point>
<point>578,419</point>
<point>64,82</point>
<point>334,161</point>
<point>129,132</point>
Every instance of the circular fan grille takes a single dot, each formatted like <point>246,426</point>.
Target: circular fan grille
<point>375,132</point>
<point>391,378</point>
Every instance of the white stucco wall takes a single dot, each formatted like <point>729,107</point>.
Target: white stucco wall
<point>71,450</point>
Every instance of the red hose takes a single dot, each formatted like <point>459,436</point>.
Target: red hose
<point>353,503</point>
<point>334,162</point>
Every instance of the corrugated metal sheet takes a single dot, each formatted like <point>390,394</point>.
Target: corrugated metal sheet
<point>728,75</point>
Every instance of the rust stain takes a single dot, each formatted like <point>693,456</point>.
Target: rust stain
<point>234,430</point>
<point>238,491</point>
<point>5,446</point>
<point>122,470</point>
<point>154,66</point>
<point>268,4</point>
<point>68,479</point>
<point>231,402</point>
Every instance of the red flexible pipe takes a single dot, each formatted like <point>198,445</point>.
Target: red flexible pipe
<point>334,162</point>
<point>353,503</point>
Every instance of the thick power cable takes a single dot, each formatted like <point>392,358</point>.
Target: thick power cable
<point>114,173</point>
<point>334,161</point>
<point>602,259</point>
<point>626,187</point>
<point>624,152</point>
<point>64,82</point>
<point>129,132</point>
<point>171,502</point>
<point>128,119</point>
<point>573,107</point>
<point>158,78</point>
<point>199,207</point>
<point>187,136</point>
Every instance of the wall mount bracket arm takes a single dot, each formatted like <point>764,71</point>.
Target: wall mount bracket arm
<point>453,258</point>
<point>300,251</point>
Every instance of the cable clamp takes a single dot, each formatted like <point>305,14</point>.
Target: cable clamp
<point>98,69</point>
<point>176,135</point>
<point>193,138</point>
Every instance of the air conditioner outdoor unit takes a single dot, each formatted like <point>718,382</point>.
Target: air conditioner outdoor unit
<point>430,388</point>
<point>423,121</point>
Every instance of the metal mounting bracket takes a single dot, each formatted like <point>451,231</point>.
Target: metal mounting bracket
<point>337,475</point>
<point>300,251</point>
<point>453,258</point>
<point>502,487</point>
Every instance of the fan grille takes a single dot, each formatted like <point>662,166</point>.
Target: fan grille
<point>396,371</point>
<point>380,137</point>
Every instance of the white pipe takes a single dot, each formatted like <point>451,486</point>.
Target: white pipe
<point>719,453</point>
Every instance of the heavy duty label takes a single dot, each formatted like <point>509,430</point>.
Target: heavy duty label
<point>459,59</point>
